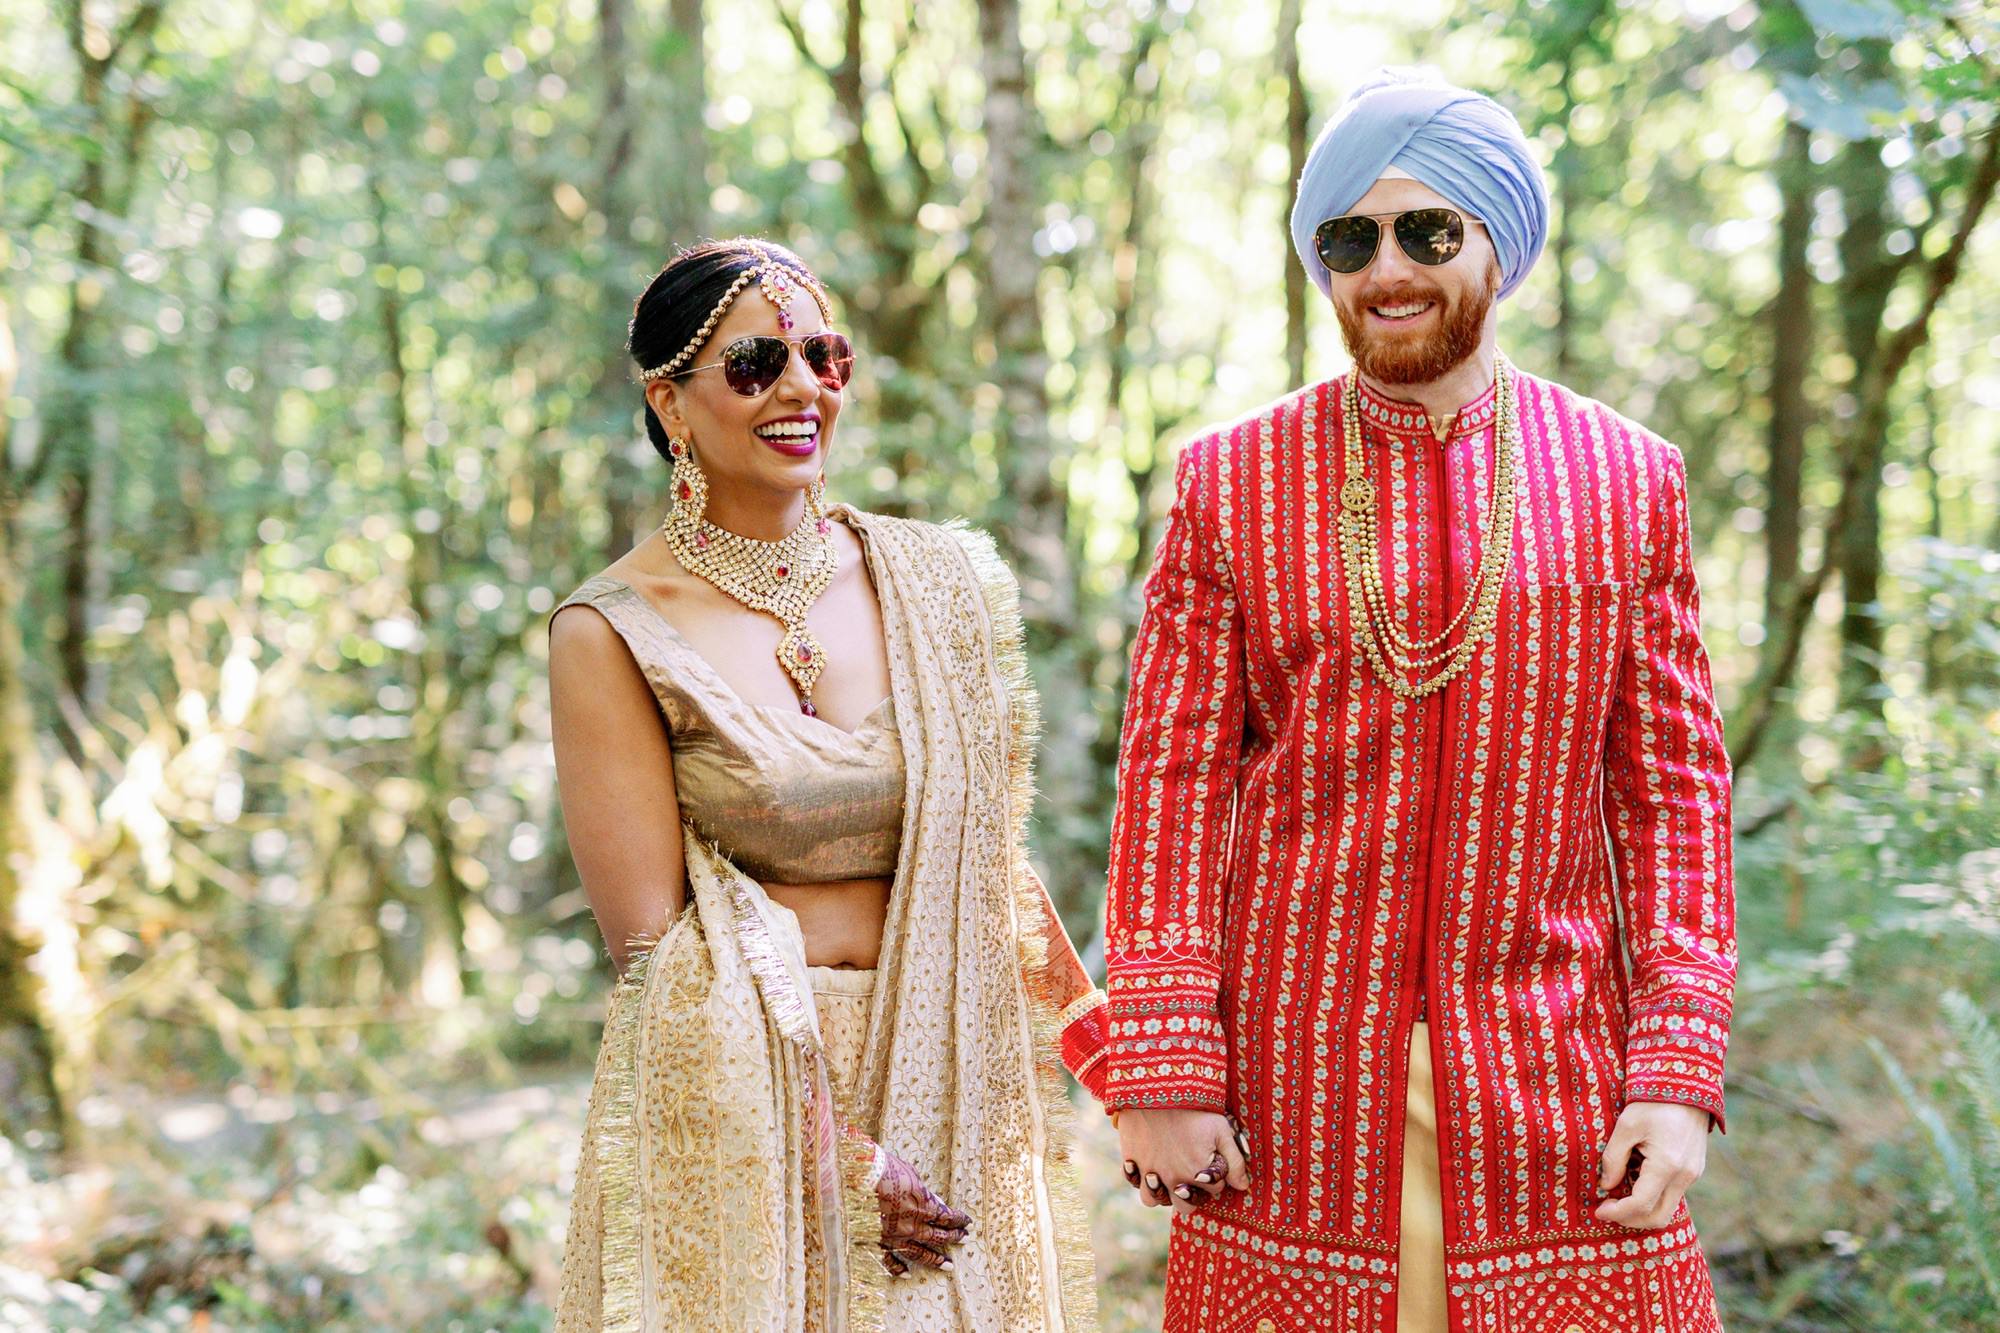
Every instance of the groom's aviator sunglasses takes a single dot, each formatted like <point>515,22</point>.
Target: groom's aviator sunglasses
<point>750,366</point>
<point>1428,236</point>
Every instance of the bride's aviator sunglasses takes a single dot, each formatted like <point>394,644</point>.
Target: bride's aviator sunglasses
<point>1430,236</point>
<point>750,366</point>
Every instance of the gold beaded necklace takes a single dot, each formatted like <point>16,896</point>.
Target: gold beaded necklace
<point>782,578</point>
<point>1395,654</point>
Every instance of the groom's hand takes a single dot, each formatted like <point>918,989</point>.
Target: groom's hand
<point>1180,1157</point>
<point>1668,1142</point>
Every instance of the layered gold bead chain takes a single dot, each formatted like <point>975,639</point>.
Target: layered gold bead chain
<point>1397,655</point>
<point>781,578</point>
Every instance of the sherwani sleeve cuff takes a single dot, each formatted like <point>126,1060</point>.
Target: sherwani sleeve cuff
<point>1674,1053</point>
<point>1167,1047</point>
<point>1085,1042</point>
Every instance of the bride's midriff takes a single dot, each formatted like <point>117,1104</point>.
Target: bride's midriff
<point>841,920</point>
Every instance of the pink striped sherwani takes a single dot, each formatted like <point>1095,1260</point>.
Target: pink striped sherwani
<point>1538,855</point>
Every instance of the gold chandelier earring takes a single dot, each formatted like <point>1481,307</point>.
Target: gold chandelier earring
<point>690,485</point>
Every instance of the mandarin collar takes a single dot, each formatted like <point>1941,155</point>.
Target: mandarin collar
<point>1408,420</point>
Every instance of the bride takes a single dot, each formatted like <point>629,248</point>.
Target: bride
<point>793,743</point>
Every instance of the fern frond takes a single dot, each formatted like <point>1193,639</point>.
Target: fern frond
<point>1979,1075</point>
<point>1975,1228</point>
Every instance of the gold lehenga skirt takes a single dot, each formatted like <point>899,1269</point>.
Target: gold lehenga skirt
<point>1420,1302</point>
<point>841,996</point>
<point>841,999</point>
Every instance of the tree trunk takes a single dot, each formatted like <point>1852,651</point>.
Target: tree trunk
<point>1012,273</point>
<point>614,384</point>
<point>1932,649</point>
<point>71,420</point>
<point>1298,115</point>
<point>685,209</point>
<point>1868,280</point>
<point>35,1089</point>
<point>1791,354</point>
<point>629,165</point>
<point>1993,537</point>
<point>447,977</point>
<point>1132,260</point>
<point>66,425</point>
<point>1036,535</point>
<point>1567,169</point>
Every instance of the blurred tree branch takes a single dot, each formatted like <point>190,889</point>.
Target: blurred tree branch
<point>896,312</point>
<point>1298,117</point>
<point>1869,424</point>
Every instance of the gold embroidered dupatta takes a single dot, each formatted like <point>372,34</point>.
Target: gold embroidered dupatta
<point>710,1189</point>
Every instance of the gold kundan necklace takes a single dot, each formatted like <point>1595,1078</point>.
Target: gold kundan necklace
<point>781,578</point>
<point>1396,655</point>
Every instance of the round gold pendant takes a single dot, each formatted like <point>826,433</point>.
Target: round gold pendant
<point>1357,494</point>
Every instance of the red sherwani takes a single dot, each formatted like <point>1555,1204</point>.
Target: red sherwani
<point>1538,855</point>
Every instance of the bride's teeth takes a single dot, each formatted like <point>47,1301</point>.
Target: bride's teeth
<point>789,429</point>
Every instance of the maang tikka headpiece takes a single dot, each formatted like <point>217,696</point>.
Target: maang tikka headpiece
<point>779,283</point>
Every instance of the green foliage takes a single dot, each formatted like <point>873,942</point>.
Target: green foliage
<point>335,354</point>
<point>450,1249</point>
<point>1970,1173</point>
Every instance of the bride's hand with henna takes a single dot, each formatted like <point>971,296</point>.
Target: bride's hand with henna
<point>917,1226</point>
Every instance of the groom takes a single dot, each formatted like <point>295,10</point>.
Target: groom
<point>1421,884</point>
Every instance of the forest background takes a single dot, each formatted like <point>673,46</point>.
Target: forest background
<point>315,404</point>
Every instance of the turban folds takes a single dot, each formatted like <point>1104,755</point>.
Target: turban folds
<point>1462,144</point>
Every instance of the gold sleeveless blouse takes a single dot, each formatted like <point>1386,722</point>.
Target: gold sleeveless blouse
<point>789,799</point>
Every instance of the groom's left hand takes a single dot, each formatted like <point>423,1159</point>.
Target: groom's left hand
<point>1672,1141</point>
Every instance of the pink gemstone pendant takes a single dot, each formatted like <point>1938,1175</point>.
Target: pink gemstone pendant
<point>701,540</point>
<point>805,653</point>
<point>785,319</point>
<point>807,708</point>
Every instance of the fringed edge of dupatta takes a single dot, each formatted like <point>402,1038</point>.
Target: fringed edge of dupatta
<point>617,1147</point>
<point>867,1279</point>
<point>849,1215</point>
<point>1077,1276</point>
<point>841,1218</point>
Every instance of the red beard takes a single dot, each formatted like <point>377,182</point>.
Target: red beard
<point>1402,359</point>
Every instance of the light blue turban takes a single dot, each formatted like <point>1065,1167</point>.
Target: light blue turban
<point>1464,145</point>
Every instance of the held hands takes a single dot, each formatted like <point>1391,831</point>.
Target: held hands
<point>917,1226</point>
<point>1181,1157</point>
<point>1671,1144</point>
